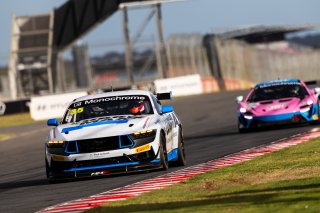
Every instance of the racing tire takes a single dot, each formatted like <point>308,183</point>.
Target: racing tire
<point>181,161</point>
<point>242,130</point>
<point>163,154</point>
<point>49,178</point>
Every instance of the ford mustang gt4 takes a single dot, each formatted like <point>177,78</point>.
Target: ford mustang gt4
<point>278,102</point>
<point>112,133</point>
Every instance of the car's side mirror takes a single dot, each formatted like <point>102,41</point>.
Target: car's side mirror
<point>53,122</point>
<point>166,109</point>
<point>239,99</point>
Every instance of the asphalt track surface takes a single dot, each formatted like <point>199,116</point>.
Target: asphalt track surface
<point>210,132</point>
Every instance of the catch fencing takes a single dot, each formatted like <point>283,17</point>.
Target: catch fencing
<point>242,61</point>
<point>227,59</point>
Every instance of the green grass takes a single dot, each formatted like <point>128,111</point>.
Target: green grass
<point>283,181</point>
<point>5,136</point>
<point>15,120</point>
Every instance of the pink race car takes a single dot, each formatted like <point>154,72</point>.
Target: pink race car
<point>278,102</point>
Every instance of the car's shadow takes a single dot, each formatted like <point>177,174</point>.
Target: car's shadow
<point>21,183</point>
<point>233,131</point>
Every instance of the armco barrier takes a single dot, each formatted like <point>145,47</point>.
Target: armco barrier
<point>14,107</point>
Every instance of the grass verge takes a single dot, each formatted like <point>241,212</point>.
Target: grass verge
<point>5,136</point>
<point>15,120</point>
<point>283,181</point>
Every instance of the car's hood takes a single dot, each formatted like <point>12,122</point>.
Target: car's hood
<point>274,107</point>
<point>101,127</point>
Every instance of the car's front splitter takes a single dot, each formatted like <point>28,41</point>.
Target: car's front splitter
<point>81,171</point>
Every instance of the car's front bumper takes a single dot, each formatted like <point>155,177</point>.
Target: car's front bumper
<point>59,169</point>
<point>148,160</point>
<point>246,122</point>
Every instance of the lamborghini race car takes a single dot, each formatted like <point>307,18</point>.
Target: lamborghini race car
<point>277,102</point>
<point>114,132</point>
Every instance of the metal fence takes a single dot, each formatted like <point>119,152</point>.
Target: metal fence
<point>187,55</point>
<point>239,60</point>
<point>235,59</point>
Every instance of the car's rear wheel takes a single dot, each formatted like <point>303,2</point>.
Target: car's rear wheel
<point>163,154</point>
<point>181,161</point>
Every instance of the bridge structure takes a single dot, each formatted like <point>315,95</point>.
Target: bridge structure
<point>37,42</point>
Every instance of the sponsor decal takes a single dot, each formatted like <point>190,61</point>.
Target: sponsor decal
<point>2,108</point>
<point>278,106</point>
<point>98,154</point>
<point>253,105</point>
<point>99,173</point>
<point>57,157</point>
<point>157,121</point>
<point>277,84</point>
<point>108,99</point>
<point>76,111</point>
<point>143,148</point>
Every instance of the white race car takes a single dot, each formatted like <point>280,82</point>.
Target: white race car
<point>114,132</point>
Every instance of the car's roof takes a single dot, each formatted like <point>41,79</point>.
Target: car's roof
<point>115,93</point>
<point>278,82</point>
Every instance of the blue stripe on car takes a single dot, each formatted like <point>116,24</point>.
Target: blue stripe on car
<point>69,129</point>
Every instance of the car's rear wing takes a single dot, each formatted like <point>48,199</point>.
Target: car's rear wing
<point>164,96</point>
<point>315,85</point>
<point>315,82</point>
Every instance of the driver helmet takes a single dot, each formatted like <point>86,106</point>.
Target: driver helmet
<point>136,107</point>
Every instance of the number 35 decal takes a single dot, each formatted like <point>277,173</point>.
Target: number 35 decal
<point>75,111</point>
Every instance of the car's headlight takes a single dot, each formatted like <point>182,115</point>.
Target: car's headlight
<point>56,144</point>
<point>243,110</point>
<point>143,137</point>
<point>144,133</point>
<point>310,102</point>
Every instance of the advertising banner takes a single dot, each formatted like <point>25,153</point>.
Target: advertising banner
<point>52,106</point>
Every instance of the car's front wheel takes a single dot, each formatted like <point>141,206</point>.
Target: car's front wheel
<point>48,174</point>
<point>241,129</point>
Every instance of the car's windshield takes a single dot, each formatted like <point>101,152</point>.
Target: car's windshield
<point>277,92</point>
<point>108,106</point>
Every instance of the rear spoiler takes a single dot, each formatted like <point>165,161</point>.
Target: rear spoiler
<point>164,96</point>
<point>315,82</point>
